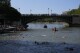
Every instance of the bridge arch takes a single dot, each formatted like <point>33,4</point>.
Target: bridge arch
<point>61,18</point>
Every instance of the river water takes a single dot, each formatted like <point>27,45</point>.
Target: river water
<point>38,39</point>
<point>49,25</point>
<point>64,34</point>
<point>37,32</point>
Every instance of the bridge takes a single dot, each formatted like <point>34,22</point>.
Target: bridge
<point>72,20</point>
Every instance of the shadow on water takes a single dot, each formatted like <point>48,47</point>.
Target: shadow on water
<point>37,47</point>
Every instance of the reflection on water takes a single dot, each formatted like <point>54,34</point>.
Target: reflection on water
<point>49,25</point>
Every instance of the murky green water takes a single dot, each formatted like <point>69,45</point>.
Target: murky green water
<point>65,40</point>
<point>40,34</point>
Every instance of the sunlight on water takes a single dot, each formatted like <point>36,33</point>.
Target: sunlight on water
<point>44,35</point>
<point>49,25</point>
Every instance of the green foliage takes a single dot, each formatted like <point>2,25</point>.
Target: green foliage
<point>74,11</point>
<point>9,12</point>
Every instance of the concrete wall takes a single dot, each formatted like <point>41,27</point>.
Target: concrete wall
<point>76,20</point>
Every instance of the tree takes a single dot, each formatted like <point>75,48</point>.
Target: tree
<point>9,12</point>
<point>74,11</point>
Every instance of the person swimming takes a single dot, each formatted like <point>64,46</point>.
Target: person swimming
<point>54,29</point>
<point>45,26</point>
